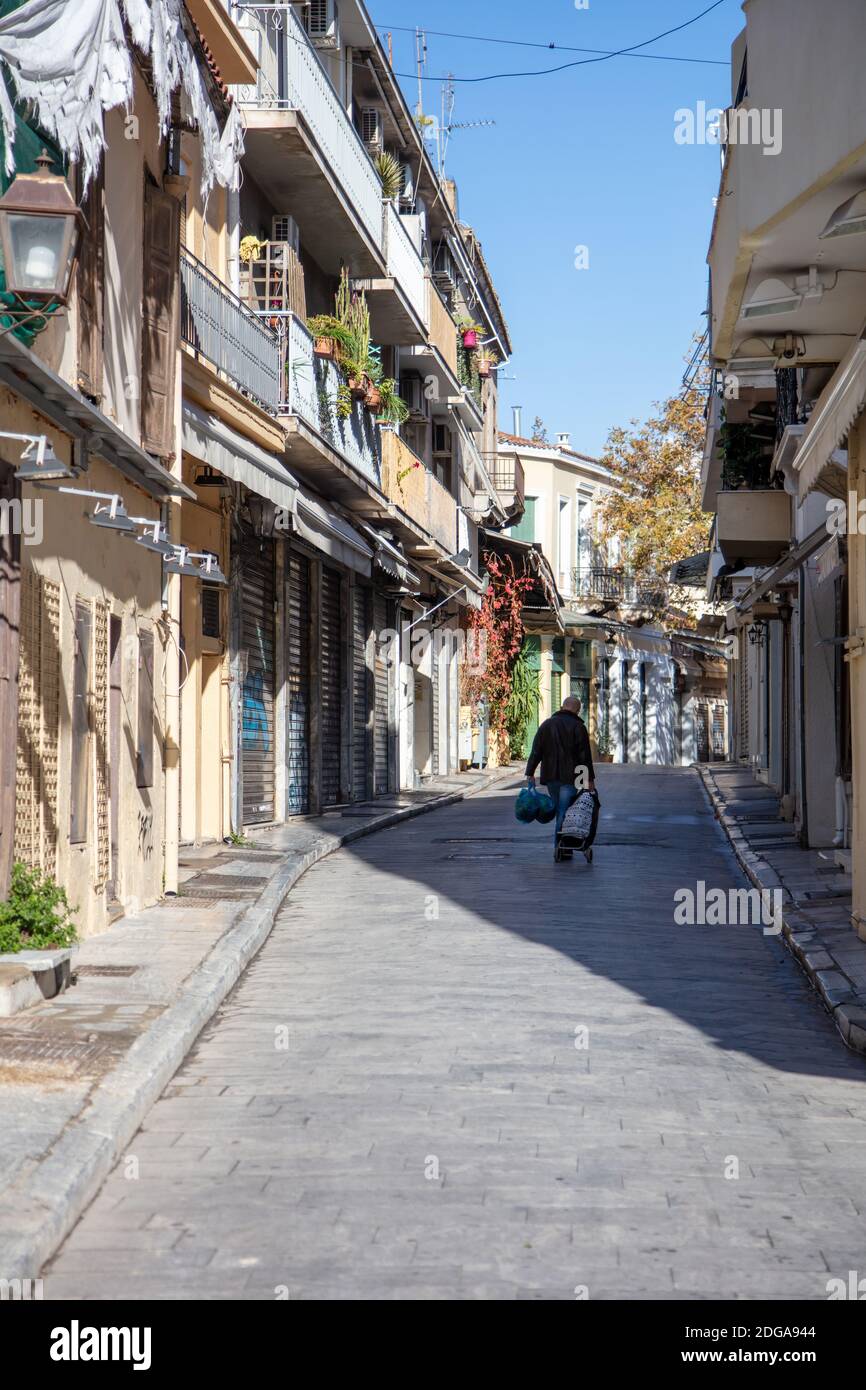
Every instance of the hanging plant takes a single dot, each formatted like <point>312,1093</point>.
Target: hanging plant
<point>485,361</point>
<point>470,331</point>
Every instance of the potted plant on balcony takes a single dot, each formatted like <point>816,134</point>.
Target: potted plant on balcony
<point>469,330</point>
<point>330,338</point>
<point>486,359</point>
<point>604,747</point>
<point>391,173</point>
<point>393,410</point>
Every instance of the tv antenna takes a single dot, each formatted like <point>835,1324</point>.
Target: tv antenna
<point>447,123</point>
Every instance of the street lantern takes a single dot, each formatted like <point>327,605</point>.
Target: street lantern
<point>610,644</point>
<point>40,229</point>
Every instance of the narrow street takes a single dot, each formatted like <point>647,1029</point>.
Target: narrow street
<point>458,1070</point>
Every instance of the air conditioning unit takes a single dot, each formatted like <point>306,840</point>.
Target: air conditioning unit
<point>285,228</point>
<point>444,269</point>
<point>407,188</point>
<point>412,391</point>
<point>322,22</point>
<point>371,127</point>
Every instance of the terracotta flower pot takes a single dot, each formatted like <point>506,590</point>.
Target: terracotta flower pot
<point>326,347</point>
<point>470,338</point>
<point>603,758</point>
<point>483,369</point>
<point>373,398</point>
<point>357,387</point>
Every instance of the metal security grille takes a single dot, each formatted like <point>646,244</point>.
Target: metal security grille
<point>331,684</point>
<point>744,695</point>
<point>257,714</point>
<point>381,731</point>
<point>360,634</point>
<point>38,724</point>
<point>210,610</point>
<point>435,683</point>
<point>298,685</point>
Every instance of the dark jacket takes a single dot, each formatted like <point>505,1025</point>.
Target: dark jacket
<point>561,746</point>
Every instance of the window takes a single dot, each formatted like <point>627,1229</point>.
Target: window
<point>80,793</point>
<point>525,529</point>
<point>144,743</point>
<point>442,454</point>
<point>210,610</point>
<point>564,542</point>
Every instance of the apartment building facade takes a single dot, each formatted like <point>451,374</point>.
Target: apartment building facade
<point>287,635</point>
<point>782,465</point>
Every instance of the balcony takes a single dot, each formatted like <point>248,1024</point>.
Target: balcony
<point>411,487</point>
<point>618,588</point>
<point>398,301</point>
<point>333,452</point>
<point>753,525</point>
<point>508,478</point>
<point>223,331</point>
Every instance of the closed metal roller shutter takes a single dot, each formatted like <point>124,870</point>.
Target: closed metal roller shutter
<point>298,685</point>
<point>360,631</point>
<point>257,714</point>
<point>382,729</point>
<point>435,684</point>
<point>744,694</point>
<point>331,686</point>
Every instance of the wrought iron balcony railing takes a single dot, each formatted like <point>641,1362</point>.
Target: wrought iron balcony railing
<point>618,586</point>
<point>508,477</point>
<point>228,334</point>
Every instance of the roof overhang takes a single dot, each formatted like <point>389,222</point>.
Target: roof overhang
<point>52,397</point>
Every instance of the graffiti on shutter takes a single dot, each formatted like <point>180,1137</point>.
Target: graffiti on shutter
<point>382,731</point>
<point>158,320</point>
<point>744,694</point>
<point>257,724</point>
<point>360,633</point>
<point>38,724</point>
<point>331,682</point>
<point>100,729</point>
<point>298,685</point>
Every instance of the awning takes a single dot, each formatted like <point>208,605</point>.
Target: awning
<point>831,420</point>
<point>787,565</point>
<point>29,377</point>
<point>329,533</point>
<point>390,560</point>
<point>209,438</point>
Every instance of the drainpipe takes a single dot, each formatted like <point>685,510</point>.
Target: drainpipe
<point>515,411</point>
<point>233,227</point>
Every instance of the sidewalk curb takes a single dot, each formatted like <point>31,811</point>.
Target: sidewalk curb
<point>44,1205</point>
<point>836,992</point>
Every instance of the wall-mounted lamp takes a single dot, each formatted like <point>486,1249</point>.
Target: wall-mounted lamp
<point>154,537</point>
<point>209,569</point>
<point>757,634</point>
<point>39,463</point>
<point>40,230</point>
<point>610,644</point>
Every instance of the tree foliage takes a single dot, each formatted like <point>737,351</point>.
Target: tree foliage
<point>655,509</point>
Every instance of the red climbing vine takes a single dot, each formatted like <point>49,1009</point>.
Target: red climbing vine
<point>497,626</point>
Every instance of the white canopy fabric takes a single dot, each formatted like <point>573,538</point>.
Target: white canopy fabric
<point>832,419</point>
<point>210,439</point>
<point>70,58</point>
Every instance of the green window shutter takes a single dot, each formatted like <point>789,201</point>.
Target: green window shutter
<point>525,531</point>
<point>533,651</point>
<point>559,655</point>
<point>555,691</point>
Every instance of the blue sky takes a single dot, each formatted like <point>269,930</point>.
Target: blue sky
<point>585,157</point>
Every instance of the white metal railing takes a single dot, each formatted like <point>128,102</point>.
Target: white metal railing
<point>292,77</point>
<point>222,329</point>
<point>405,264</point>
<point>311,392</point>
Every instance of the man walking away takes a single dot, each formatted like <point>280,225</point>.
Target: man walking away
<point>562,748</point>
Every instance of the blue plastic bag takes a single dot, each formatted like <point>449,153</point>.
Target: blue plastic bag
<point>533,805</point>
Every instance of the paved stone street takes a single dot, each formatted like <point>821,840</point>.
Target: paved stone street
<point>397,1102</point>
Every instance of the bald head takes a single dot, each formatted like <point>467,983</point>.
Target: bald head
<point>572,704</point>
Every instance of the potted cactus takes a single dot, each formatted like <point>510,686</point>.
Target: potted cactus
<point>330,337</point>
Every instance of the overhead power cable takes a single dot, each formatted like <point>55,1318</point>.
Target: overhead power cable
<point>552,47</point>
<point>604,57</point>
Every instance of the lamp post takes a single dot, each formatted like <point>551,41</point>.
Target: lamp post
<point>40,232</point>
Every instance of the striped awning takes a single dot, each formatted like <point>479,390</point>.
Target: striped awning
<point>830,423</point>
